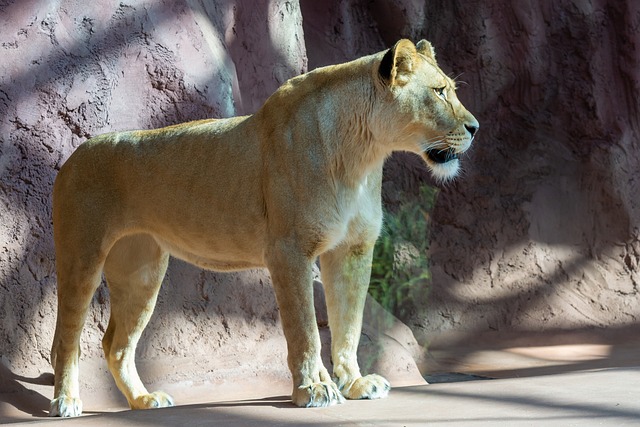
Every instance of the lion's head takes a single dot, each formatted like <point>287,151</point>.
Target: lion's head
<point>424,109</point>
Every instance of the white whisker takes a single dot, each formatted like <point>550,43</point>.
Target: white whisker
<point>434,144</point>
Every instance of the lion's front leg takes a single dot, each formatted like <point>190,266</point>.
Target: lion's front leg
<point>345,276</point>
<point>292,280</point>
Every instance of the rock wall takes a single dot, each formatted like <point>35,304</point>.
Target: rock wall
<point>541,231</point>
<point>71,70</point>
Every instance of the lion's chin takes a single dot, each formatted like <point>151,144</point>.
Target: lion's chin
<point>441,156</point>
<point>442,171</point>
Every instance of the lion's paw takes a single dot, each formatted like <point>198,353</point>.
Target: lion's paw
<point>65,406</point>
<point>157,399</point>
<point>317,395</point>
<point>369,387</point>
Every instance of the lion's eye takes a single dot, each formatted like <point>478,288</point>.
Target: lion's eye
<point>440,91</point>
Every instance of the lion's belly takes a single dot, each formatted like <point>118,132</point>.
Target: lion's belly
<point>215,239</point>
<point>212,256</point>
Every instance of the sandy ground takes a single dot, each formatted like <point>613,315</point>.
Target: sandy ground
<point>542,231</point>
<point>579,378</point>
<point>604,397</point>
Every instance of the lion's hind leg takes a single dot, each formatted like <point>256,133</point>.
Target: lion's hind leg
<point>78,279</point>
<point>134,271</point>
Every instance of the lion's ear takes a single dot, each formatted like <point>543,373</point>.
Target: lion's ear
<point>425,48</point>
<point>397,64</point>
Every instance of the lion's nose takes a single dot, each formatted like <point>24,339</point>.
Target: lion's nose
<point>472,128</point>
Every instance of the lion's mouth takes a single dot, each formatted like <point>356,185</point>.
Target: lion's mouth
<point>441,156</point>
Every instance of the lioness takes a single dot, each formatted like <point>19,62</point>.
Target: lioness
<point>298,180</point>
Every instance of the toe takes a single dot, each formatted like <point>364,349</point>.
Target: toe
<point>65,407</point>
<point>317,395</point>
<point>157,399</point>
<point>369,387</point>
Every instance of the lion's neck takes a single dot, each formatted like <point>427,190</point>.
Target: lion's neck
<point>346,129</point>
<point>356,152</point>
<point>330,111</point>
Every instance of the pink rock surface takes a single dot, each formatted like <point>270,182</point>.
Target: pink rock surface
<point>76,70</point>
<point>541,231</point>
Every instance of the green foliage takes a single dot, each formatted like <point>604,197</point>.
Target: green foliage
<point>399,257</point>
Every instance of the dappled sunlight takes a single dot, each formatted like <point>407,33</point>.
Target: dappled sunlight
<point>564,353</point>
<point>528,267</point>
<point>514,354</point>
<point>515,362</point>
<point>592,398</point>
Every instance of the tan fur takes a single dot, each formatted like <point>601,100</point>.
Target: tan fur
<point>298,180</point>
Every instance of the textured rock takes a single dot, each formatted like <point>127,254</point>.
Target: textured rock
<point>542,231</point>
<point>74,70</point>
